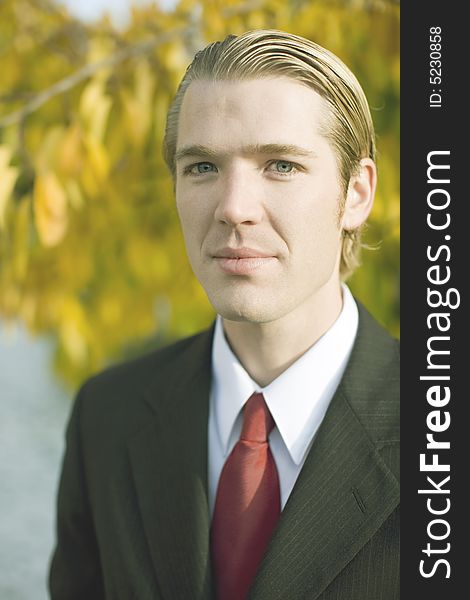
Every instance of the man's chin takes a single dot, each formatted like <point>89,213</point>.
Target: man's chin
<point>245,312</point>
<point>245,301</point>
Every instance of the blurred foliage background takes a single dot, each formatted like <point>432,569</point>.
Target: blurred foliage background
<point>90,247</point>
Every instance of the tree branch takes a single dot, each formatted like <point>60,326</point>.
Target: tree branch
<point>87,71</point>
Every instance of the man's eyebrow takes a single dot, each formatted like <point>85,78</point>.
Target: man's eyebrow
<point>198,150</point>
<point>290,149</point>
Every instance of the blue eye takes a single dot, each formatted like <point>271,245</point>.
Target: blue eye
<point>284,166</point>
<point>200,168</point>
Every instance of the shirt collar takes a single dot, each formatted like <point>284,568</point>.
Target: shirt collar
<point>299,397</point>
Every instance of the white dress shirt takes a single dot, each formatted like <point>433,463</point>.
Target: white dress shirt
<point>298,398</point>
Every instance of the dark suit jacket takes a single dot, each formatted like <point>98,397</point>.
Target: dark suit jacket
<point>133,517</point>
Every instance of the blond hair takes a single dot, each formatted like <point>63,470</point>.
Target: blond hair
<point>265,53</point>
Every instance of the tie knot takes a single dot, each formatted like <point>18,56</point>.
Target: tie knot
<point>257,420</point>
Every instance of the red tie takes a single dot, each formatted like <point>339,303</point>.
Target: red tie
<point>247,505</point>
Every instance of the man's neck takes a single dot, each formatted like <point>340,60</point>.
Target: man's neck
<point>267,349</point>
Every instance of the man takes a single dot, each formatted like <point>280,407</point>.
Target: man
<point>259,458</point>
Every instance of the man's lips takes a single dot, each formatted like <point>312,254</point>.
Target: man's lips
<point>243,252</point>
<point>242,261</point>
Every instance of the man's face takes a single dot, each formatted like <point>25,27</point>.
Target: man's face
<point>258,191</point>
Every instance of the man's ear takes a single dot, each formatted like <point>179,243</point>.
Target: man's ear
<point>360,196</point>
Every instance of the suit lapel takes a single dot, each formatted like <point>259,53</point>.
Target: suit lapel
<point>343,495</point>
<point>169,462</point>
<point>345,490</point>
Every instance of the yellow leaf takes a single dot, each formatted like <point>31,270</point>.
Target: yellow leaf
<point>144,83</point>
<point>74,194</point>
<point>73,331</point>
<point>138,103</point>
<point>20,234</point>
<point>48,151</point>
<point>97,158</point>
<point>94,108</point>
<point>50,209</point>
<point>110,310</point>
<point>71,155</point>
<point>99,48</point>
<point>8,176</point>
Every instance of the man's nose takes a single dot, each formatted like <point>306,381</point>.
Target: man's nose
<point>240,198</point>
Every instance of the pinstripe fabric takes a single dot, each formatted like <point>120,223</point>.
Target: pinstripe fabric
<point>133,517</point>
<point>374,573</point>
<point>343,505</point>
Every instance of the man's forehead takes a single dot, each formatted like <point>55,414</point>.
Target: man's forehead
<point>259,116</point>
<point>277,87</point>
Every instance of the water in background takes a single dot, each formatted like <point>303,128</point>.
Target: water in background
<point>33,412</point>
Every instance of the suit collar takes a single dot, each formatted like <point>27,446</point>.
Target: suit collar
<point>345,490</point>
<point>170,471</point>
